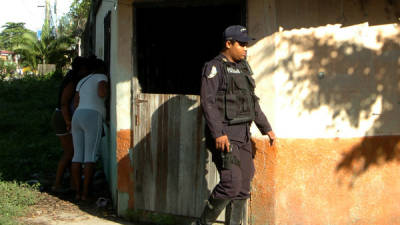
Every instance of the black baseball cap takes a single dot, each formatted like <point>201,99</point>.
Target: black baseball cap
<point>237,33</point>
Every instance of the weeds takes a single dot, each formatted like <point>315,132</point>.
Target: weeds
<point>14,200</point>
<point>27,142</point>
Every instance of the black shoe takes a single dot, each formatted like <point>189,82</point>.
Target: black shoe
<point>236,212</point>
<point>212,210</point>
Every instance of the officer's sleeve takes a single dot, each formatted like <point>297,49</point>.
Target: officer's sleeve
<point>210,81</point>
<point>261,120</point>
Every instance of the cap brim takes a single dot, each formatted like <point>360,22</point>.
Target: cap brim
<point>245,39</point>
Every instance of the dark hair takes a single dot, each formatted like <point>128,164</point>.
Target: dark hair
<point>78,62</point>
<point>96,65</point>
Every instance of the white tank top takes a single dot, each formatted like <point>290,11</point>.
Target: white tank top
<point>88,89</point>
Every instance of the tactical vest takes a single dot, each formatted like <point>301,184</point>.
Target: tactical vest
<point>236,102</point>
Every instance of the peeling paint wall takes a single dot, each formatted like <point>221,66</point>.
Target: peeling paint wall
<point>328,78</point>
<point>125,170</point>
<point>121,73</point>
<point>121,59</point>
<point>326,181</point>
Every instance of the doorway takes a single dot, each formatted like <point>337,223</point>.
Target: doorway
<point>174,41</point>
<point>173,173</point>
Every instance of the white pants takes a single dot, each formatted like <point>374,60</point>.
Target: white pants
<point>86,133</point>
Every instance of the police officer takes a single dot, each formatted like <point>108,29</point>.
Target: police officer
<point>230,106</point>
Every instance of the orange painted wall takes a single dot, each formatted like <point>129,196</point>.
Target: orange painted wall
<point>125,170</point>
<point>327,181</point>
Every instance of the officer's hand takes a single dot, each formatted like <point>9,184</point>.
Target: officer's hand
<point>222,143</point>
<point>272,137</point>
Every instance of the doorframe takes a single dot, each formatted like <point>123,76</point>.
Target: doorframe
<point>107,56</point>
<point>135,86</point>
<point>107,41</point>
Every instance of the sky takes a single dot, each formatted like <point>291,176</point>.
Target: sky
<point>27,11</point>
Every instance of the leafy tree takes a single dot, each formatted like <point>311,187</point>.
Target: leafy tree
<point>74,22</point>
<point>52,47</point>
<point>12,35</point>
<point>49,49</point>
<point>72,25</point>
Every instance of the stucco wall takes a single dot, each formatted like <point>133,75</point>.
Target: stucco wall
<point>116,154</point>
<point>327,74</point>
<point>326,181</point>
<point>345,77</point>
<point>122,63</point>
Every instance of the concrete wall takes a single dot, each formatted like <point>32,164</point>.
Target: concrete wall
<point>122,62</point>
<point>116,151</point>
<point>327,74</point>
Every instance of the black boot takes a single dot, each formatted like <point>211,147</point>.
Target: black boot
<point>212,210</point>
<point>236,212</point>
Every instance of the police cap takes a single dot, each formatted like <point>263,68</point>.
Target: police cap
<point>236,33</point>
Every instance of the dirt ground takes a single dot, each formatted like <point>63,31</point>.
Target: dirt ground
<point>63,209</point>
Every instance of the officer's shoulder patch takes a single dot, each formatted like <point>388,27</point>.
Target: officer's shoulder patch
<point>213,72</point>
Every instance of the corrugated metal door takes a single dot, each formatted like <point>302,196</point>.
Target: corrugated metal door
<point>173,172</point>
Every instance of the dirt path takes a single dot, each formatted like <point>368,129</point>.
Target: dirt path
<point>62,209</point>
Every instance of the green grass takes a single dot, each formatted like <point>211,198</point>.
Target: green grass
<point>27,142</point>
<point>28,146</point>
<point>15,199</point>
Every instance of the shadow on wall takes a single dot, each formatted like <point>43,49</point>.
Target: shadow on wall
<point>359,84</point>
<point>170,163</point>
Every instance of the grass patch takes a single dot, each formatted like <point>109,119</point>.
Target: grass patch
<point>15,199</point>
<point>27,142</point>
<point>28,145</point>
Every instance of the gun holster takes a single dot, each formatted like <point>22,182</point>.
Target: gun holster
<point>229,159</point>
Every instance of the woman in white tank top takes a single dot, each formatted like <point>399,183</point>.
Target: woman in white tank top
<point>87,124</point>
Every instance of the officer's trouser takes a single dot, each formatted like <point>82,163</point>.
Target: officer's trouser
<point>235,182</point>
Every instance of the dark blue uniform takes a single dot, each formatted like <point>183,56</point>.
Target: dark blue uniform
<point>235,182</point>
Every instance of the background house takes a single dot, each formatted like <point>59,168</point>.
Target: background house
<point>328,78</point>
<point>6,55</point>
<point>9,62</point>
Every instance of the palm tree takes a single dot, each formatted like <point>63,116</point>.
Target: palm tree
<point>48,49</point>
